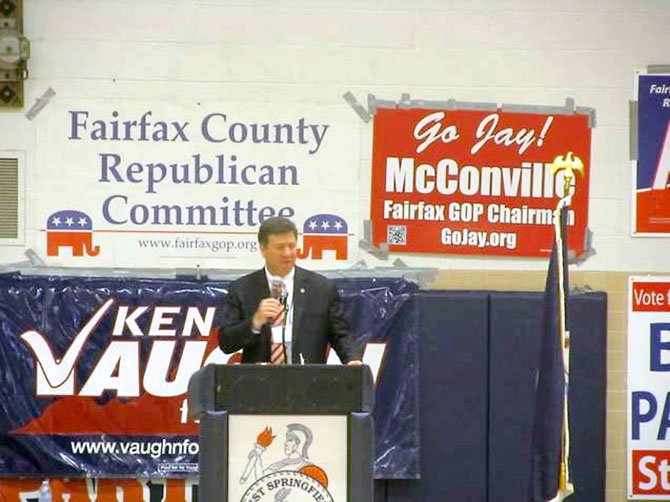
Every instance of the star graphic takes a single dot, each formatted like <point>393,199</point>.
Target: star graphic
<point>82,222</point>
<point>312,225</point>
<point>55,221</point>
<point>325,225</point>
<point>338,225</point>
<point>69,221</point>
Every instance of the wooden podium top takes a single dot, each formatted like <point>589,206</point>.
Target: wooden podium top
<point>315,389</point>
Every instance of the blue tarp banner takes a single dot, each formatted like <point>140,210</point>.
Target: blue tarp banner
<point>95,370</point>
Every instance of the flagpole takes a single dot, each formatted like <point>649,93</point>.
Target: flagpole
<point>565,487</point>
<point>568,165</point>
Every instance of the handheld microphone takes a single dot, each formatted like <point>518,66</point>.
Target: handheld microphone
<point>279,293</point>
<point>277,289</point>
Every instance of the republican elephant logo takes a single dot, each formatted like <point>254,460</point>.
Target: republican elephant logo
<point>70,229</point>
<point>324,232</point>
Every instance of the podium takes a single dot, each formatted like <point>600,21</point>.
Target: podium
<point>286,432</point>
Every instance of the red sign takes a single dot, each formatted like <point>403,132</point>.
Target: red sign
<point>651,472</point>
<point>651,296</point>
<point>475,182</point>
<point>100,490</point>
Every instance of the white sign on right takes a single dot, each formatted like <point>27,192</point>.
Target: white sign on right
<point>649,388</point>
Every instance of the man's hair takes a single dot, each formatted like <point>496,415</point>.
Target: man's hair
<point>273,226</point>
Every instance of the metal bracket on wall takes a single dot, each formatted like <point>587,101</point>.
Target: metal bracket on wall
<point>14,54</point>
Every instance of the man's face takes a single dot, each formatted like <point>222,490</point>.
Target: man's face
<point>280,253</point>
<point>290,446</point>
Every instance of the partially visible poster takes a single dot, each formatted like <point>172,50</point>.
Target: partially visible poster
<point>651,199</point>
<point>475,182</point>
<point>100,489</point>
<point>648,435</point>
<point>129,183</point>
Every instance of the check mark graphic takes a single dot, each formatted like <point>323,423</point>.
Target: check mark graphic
<point>58,371</point>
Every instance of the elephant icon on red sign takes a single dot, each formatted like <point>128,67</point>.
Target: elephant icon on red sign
<point>70,229</point>
<point>324,232</point>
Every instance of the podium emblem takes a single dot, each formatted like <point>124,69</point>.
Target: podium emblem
<point>293,477</point>
<point>287,458</point>
<point>286,486</point>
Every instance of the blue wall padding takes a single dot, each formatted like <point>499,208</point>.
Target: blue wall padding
<point>453,404</point>
<point>588,406</point>
<point>515,323</point>
<point>477,357</point>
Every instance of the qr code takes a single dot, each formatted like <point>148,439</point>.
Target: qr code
<point>396,235</point>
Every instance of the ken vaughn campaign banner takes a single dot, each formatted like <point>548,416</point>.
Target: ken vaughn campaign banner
<point>95,372</point>
<point>476,182</point>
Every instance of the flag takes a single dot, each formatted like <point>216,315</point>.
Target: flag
<point>550,474</point>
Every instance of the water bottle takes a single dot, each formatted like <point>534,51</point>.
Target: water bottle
<point>45,492</point>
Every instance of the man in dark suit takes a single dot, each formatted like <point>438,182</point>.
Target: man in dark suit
<point>307,313</point>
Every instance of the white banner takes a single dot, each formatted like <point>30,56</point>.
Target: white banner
<point>278,457</point>
<point>649,388</point>
<point>131,183</point>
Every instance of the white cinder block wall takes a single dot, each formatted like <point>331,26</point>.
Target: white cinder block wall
<point>313,51</point>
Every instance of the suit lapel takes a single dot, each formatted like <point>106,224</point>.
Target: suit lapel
<point>259,290</point>
<point>300,292</point>
<point>260,285</point>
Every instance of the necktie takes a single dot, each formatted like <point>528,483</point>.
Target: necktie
<point>279,319</point>
<point>277,354</point>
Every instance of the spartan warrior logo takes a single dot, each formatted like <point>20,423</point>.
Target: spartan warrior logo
<point>293,475</point>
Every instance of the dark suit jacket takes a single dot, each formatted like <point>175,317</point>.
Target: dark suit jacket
<point>318,320</point>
